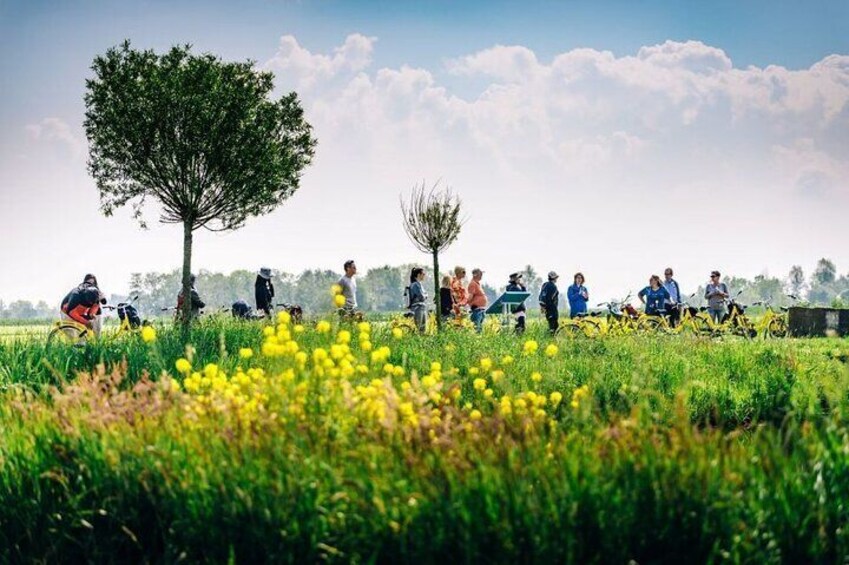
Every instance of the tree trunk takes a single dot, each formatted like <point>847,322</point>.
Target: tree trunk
<point>436,297</point>
<point>186,312</point>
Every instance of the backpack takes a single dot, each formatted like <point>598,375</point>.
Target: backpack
<point>407,300</point>
<point>240,309</point>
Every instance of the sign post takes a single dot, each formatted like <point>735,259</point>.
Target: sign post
<point>503,303</point>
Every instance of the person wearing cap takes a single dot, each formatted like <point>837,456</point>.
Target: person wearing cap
<point>458,290</point>
<point>515,284</point>
<point>716,293</point>
<point>264,291</point>
<point>477,299</point>
<point>578,296</point>
<point>548,299</point>
<point>197,303</point>
<point>349,286</point>
<point>82,304</point>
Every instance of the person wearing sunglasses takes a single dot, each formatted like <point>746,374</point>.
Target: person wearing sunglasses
<point>716,293</point>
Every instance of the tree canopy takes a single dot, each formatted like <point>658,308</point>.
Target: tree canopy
<point>200,136</point>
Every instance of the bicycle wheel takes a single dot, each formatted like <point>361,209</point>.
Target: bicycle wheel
<point>589,328</point>
<point>649,324</point>
<point>67,334</point>
<point>570,330</point>
<point>776,327</point>
<point>406,325</point>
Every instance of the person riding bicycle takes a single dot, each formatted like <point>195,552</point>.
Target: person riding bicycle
<point>264,292</point>
<point>654,297</point>
<point>82,304</point>
<point>515,284</point>
<point>196,303</point>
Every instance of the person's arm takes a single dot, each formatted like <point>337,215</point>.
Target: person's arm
<point>642,296</point>
<point>196,301</point>
<point>724,292</point>
<point>79,314</point>
<point>572,293</point>
<point>271,289</point>
<point>707,292</point>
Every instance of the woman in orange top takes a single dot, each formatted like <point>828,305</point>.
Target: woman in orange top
<point>458,290</point>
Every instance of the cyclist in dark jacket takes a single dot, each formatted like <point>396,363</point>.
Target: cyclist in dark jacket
<point>264,291</point>
<point>82,304</point>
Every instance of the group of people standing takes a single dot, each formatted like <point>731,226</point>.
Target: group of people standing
<point>456,297</point>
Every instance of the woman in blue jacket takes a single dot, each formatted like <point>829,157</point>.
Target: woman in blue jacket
<point>578,296</point>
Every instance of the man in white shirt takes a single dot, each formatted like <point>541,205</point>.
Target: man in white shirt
<point>349,286</point>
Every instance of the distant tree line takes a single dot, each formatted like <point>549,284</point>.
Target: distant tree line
<point>381,289</point>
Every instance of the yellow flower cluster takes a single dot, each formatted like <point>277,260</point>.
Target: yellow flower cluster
<point>355,385</point>
<point>579,394</point>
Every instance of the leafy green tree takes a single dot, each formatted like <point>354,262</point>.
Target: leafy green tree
<point>826,272</point>
<point>796,281</point>
<point>198,135</point>
<point>383,288</point>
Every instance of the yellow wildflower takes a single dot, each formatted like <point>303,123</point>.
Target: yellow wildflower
<point>551,350</point>
<point>246,353</point>
<point>183,365</point>
<point>148,334</point>
<point>530,347</point>
<point>339,300</point>
<point>480,384</point>
<point>536,376</point>
<point>322,327</point>
<point>475,415</point>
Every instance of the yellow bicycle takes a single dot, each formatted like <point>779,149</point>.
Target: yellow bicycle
<point>71,332</point>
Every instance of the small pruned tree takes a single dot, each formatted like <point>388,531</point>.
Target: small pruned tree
<point>432,221</point>
<point>199,136</point>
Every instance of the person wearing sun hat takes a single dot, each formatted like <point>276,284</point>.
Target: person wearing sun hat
<point>548,299</point>
<point>264,291</point>
<point>515,284</point>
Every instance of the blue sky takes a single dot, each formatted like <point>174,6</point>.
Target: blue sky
<point>734,111</point>
<point>46,46</point>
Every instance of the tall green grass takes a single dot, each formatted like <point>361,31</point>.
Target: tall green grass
<point>686,450</point>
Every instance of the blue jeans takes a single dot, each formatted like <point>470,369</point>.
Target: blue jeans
<point>716,314</point>
<point>420,316</point>
<point>477,317</point>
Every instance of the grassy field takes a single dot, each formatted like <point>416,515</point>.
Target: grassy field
<point>304,443</point>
